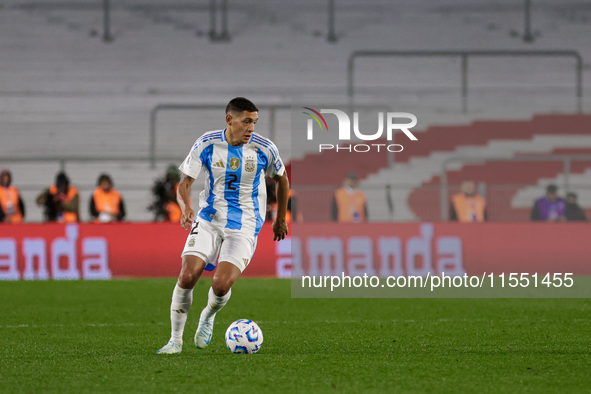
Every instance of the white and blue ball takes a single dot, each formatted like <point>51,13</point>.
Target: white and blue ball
<point>244,336</point>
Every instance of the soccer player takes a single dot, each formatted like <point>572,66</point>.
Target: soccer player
<point>233,206</point>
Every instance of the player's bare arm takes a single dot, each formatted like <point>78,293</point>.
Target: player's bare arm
<point>280,229</point>
<point>183,197</point>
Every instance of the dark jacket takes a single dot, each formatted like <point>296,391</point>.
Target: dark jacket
<point>574,212</point>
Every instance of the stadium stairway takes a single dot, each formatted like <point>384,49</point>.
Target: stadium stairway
<point>496,139</point>
<point>507,200</point>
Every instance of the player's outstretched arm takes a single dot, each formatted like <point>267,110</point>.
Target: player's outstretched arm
<point>280,229</point>
<point>183,197</point>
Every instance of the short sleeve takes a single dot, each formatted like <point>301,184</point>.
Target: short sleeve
<point>191,166</point>
<point>276,166</point>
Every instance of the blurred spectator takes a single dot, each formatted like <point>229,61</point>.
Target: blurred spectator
<point>550,207</point>
<point>349,204</point>
<point>573,211</point>
<point>61,201</point>
<point>164,205</point>
<point>12,208</point>
<point>271,200</point>
<point>293,213</point>
<point>106,204</point>
<point>467,206</point>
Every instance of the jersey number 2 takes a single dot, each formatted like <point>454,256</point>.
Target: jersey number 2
<point>233,178</point>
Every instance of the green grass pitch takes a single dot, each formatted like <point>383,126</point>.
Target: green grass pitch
<point>103,336</point>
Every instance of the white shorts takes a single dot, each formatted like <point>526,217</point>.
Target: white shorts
<point>208,241</point>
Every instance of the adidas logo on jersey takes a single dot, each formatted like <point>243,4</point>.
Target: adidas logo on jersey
<point>219,164</point>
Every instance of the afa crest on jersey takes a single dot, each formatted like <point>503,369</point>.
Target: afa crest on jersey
<point>234,163</point>
<point>250,164</point>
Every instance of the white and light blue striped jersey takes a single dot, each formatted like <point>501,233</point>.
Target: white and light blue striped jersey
<point>235,194</point>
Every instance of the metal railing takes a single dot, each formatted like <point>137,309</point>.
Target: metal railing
<point>503,202</point>
<point>464,55</point>
<point>331,35</point>
<point>107,36</point>
<point>566,159</point>
<point>527,34</point>
<point>214,35</point>
<point>224,34</point>
<point>63,160</point>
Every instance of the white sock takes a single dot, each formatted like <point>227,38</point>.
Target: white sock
<point>214,304</point>
<point>179,308</point>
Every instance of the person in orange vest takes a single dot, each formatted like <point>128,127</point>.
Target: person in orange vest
<point>468,206</point>
<point>172,209</point>
<point>164,205</point>
<point>293,212</point>
<point>271,201</point>
<point>61,201</point>
<point>349,204</point>
<point>106,203</point>
<point>12,208</point>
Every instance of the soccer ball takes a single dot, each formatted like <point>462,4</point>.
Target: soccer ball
<point>244,336</point>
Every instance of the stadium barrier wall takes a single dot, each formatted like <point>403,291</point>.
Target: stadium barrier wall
<point>104,251</point>
<point>433,248</point>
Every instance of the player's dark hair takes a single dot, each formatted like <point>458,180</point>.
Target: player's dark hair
<point>241,104</point>
<point>552,189</point>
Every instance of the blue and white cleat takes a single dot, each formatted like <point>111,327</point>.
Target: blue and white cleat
<point>171,347</point>
<point>203,333</point>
